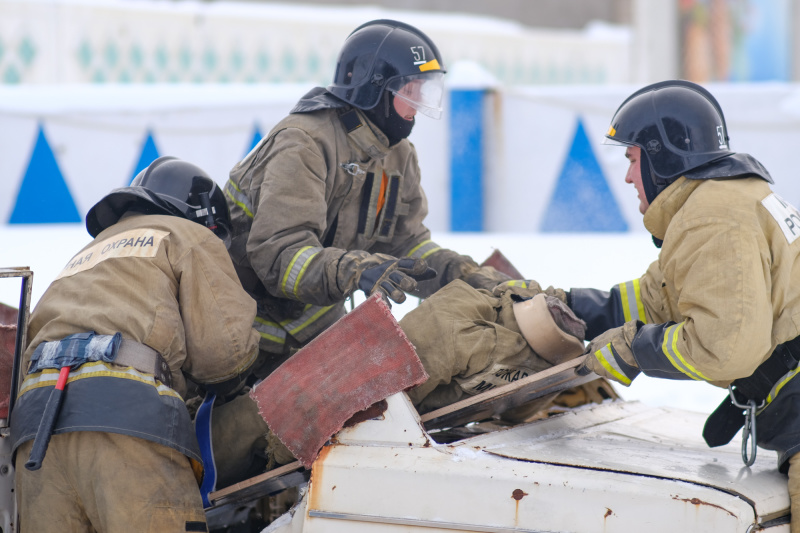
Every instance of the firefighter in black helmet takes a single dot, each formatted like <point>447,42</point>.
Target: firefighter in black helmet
<point>718,304</point>
<point>330,201</point>
<point>151,304</point>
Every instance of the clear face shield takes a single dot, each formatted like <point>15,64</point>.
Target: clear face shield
<point>423,92</point>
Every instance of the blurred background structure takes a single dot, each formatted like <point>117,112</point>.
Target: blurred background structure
<point>91,91</point>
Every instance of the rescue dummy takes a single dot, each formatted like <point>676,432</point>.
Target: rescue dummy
<point>721,303</point>
<point>468,340</point>
<point>471,341</point>
<point>149,309</point>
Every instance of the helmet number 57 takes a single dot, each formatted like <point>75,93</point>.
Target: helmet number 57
<point>419,54</point>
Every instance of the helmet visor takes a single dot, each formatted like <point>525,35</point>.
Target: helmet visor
<point>423,92</point>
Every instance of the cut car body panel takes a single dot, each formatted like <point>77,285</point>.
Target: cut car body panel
<point>616,467</point>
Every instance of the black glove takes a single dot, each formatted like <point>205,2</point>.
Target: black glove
<point>395,277</point>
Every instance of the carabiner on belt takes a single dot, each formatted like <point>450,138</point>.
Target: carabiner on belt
<point>749,428</point>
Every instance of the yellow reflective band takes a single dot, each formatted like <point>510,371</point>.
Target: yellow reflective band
<point>296,269</point>
<point>611,131</point>
<point>779,385</point>
<point>639,304</point>
<point>278,334</point>
<point>670,349</point>
<point>631,297</point>
<point>606,358</point>
<point>623,293</point>
<point>518,282</point>
<point>311,319</point>
<point>48,378</point>
<point>433,247</point>
<point>238,199</point>
<point>430,65</point>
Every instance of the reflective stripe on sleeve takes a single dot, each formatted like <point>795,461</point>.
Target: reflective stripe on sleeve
<point>296,269</point>
<point>605,356</point>
<point>670,349</point>
<point>423,249</point>
<point>238,198</point>
<point>517,283</point>
<point>631,296</point>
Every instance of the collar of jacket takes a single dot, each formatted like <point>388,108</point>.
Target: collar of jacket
<point>667,203</point>
<point>370,139</point>
<point>317,99</point>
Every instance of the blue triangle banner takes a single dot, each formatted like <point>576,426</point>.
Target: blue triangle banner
<point>43,197</point>
<point>582,200</point>
<point>148,155</point>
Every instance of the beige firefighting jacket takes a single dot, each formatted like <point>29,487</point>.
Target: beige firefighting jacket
<point>469,342</point>
<point>304,209</point>
<point>162,281</point>
<point>728,277</point>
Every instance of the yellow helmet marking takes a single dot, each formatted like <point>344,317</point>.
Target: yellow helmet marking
<point>433,64</point>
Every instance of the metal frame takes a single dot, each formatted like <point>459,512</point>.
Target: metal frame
<point>8,505</point>
<point>22,325</point>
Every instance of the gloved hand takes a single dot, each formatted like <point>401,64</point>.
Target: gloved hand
<point>609,354</point>
<point>394,277</point>
<point>484,277</point>
<point>561,294</point>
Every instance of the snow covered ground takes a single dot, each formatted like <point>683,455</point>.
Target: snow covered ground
<point>562,260</point>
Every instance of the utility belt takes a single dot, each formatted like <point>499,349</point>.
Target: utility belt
<point>81,348</point>
<point>72,352</point>
<point>747,397</point>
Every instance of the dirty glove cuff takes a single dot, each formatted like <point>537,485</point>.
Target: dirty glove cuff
<point>609,354</point>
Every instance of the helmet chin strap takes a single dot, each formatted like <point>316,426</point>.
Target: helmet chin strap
<point>651,190</point>
<point>388,120</point>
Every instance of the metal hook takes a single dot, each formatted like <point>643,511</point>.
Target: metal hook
<point>749,428</point>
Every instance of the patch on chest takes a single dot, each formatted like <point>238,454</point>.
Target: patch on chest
<point>785,214</point>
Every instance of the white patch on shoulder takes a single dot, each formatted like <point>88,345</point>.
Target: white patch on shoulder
<point>141,242</point>
<point>785,214</point>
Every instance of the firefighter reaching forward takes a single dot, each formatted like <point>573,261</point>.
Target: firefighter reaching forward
<point>722,302</point>
<point>330,201</point>
<point>153,303</point>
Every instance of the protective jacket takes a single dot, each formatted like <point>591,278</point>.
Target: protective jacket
<point>162,281</point>
<point>469,342</point>
<point>316,197</point>
<point>724,292</point>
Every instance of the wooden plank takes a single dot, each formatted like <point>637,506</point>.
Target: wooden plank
<point>497,400</point>
<point>266,476</point>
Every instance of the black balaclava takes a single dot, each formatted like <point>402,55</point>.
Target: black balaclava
<point>388,120</point>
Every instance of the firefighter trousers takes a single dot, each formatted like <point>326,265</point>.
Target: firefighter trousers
<point>109,483</point>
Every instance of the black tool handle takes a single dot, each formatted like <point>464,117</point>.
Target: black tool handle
<point>48,422</point>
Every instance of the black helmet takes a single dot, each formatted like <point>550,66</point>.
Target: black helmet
<point>678,125</point>
<point>389,55</point>
<point>168,186</point>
